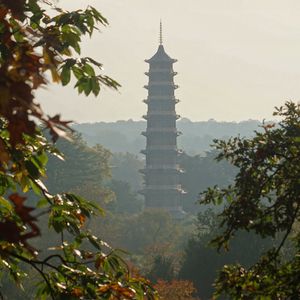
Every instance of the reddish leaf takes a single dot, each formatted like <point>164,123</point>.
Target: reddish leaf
<point>13,233</point>
<point>16,7</point>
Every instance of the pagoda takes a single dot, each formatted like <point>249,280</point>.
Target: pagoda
<point>162,186</point>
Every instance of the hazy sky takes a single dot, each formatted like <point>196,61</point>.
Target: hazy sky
<point>237,59</point>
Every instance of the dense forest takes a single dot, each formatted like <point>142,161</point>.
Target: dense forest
<point>159,246</point>
<point>165,250</point>
<point>171,253</point>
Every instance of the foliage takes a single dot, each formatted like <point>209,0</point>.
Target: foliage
<point>96,179</point>
<point>125,167</point>
<point>94,167</point>
<point>201,263</point>
<point>200,173</point>
<point>147,236</point>
<point>176,290</point>
<point>162,268</point>
<point>138,233</point>
<point>149,229</point>
<point>126,201</point>
<point>264,199</point>
<point>32,44</point>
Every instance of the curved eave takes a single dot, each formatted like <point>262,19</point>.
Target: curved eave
<point>161,131</point>
<point>160,56</point>
<point>161,113</point>
<point>160,98</point>
<point>157,71</point>
<point>161,84</point>
<point>152,60</point>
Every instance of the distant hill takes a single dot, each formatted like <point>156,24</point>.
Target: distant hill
<point>125,136</point>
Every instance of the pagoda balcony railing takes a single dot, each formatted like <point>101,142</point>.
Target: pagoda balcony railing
<point>166,71</point>
<point>161,97</point>
<point>161,83</point>
<point>160,113</point>
<point>173,60</point>
<point>147,101</point>
<point>161,130</point>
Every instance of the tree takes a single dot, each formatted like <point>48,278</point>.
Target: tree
<point>126,201</point>
<point>33,44</point>
<point>201,263</point>
<point>176,290</point>
<point>265,199</point>
<point>93,164</point>
<point>125,167</point>
<point>149,230</point>
<point>162,269</point>
<point>200,173</point>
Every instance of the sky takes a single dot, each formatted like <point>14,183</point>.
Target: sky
<point>237,59</point>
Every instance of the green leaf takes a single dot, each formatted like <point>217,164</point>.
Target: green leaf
<point>89,70</point>
<point>95,86</point>
<point>78,73</point>
<point>88,86</point>
<point>42,203</point>
<point>32,169</point>
<point>43,158</point>
<point>36,189</point>
<point>77,48</point>
<point>65,75</point>
<point>5,204</point>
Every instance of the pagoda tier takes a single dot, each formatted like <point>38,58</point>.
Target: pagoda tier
<point>162,185</point>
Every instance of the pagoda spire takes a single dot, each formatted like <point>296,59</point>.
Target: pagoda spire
<point>160,33</point>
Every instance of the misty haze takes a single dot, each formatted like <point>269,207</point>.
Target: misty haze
<point>149,149</point>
